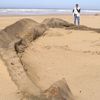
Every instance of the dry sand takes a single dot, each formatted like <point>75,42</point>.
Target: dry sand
<point>88,20</point>
<point>73,55</point>
<point>8,90</point>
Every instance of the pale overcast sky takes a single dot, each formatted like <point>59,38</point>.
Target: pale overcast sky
<point>85,4</point>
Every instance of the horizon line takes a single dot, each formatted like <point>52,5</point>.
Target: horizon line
<point>45,8</point>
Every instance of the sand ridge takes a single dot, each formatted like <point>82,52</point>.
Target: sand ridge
<point>56,44</point>
<point>19,35</point>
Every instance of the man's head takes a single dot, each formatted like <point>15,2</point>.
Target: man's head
<point>77,5</point>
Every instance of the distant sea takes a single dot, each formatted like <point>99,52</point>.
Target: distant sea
<point>42,11</point>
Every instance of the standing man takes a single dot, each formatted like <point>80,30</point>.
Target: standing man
<point>76,13</point>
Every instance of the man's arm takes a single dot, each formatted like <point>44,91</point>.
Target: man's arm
<point>79,10</point>
<point>73,10</point>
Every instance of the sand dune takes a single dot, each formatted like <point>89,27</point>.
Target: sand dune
<point>63,51</point>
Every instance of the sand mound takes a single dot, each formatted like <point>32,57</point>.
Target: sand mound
<point>25,31</point>
<point>59,23</point>
<point>15,38</point>
<point>15,31</point>
<point>31,35</point>
<point>56,22</point>
<point>21,33</point>
<point>20,27</point>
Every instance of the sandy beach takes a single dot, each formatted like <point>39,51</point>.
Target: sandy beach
<point>60,53</point>
<point>88,20</point>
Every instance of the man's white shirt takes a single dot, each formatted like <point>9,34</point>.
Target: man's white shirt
<point>76,12</point>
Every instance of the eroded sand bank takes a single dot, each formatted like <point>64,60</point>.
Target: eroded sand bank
<point>71,54</point>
